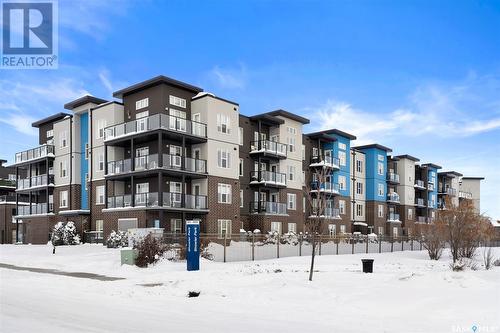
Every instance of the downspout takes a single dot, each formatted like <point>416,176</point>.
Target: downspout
<point>91,157</point>
<point>70,160</point>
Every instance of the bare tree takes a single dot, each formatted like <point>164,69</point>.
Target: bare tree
<point>434,238</point>
<point>317,202</point>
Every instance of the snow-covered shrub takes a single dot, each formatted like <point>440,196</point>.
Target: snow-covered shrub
<point>271,238</point>
<point>70,236</point>
<point>58,234</point>
<point>290,238</point>
<point>488,257</point>
<point>149,250</point>
<point>117,239</point>
<point>463,263</point>
<point>496,263</point>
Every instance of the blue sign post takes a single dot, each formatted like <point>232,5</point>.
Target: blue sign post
<point>193,245</point>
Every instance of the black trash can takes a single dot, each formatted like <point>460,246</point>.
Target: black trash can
<point>367,265</point>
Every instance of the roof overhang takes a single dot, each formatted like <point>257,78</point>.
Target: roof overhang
<point>288,115</point>
<point>161,79</point>
<point>267,119</point>
<point>409,157</point>
<point>374,145</point>
<point>84,100</point>
<point>50,119</point>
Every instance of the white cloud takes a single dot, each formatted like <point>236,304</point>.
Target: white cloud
<point>108,83</point>
<point>230,78</point>
<point>20,123</point>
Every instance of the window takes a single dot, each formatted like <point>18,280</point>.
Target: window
<point>380,168</point>
<point>380,210</point>
<point>241,198</point>
<point>292,227</point>
<point>342,146</point>
<point>143,114</point>
<point>224,193</point>
<point>303,152</point>
<point>342,207</point>
<point>142,103</point>
<point>342,158</point>
<point>342,228</point>
<point>12,176</point>
<point>380,230</point>
<point>63,169</point>
<point>332,229</point>
<point>359,210</point>
<point>395,231</point>
<point>240,136</point>
<point>224,228</point>
<point>303,204</point>
<point>359,188</point>
<point>223,123</point>
<point>292,201</point>
<point>291,172</point>
<point>291,144</point>
<point>101,124</point>
<point>101,162</point>
<point>63,140</point>
<point>223,158</point>
<point>291,130</point>
<point>99,200</point>
<point>99,225</point>
<point>177,101</point>
<point>176,226</point>
<point>63,199</point>
<point>381,190</point>
<point>276,227</point>
<point>380,158</point>
<point>50,133</point>
<point>342,182</point>
<point>359,166</point>
<point>410,214</point>
<point>241,167</point>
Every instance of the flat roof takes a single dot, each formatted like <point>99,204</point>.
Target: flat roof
<point>289,115</point>
<point>50,119</point>
<point>321,136</point>
<point>335,131</point>
<point>409,157</point>
<point>473,178</point>
<point>82,101</point>
<point>107,103</point>
<point>374,145</point>
<point>432,165</point>
<point>153,82</point>
<point>454,173</point>
<point>268,119</point>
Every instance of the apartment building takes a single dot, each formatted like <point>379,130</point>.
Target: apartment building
<point>470,189</point>
<point>165,152</point>
<point>448,187</point>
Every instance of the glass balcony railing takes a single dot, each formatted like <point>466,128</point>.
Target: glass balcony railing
<point>393,217</point>
<point>36,209</point>
<point>151,162</point>
<point>393,197</point>
<point>147,162</point>
<point>263,177</point>
<point>393,177</point>
<point>420,184</point>
<point>326,161</point>
<point>421,219</point>
<point>35,153</point>
<point>269,147</point>
<point>175,162</point>
<point>325,187</point>
<point>120,201</point>
<point>330,213</point>
<point>154,122</point>
<point>448,191</point>
<point>267,207</point>
<point>187,201</point>
<point>120,166</point>
<point>146,199</point>
<point>35,181</point>
<point>420,202</point>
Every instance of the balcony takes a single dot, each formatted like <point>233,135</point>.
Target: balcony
<point>151,200</point>
<point>392,178</point>
<point>393,218</point>
<point>420,202</point>
<point>184,201</point>
<point>267,207</point>
<point>465,195</point>
<point>329,213</point>
<point>421,219</point>
<point>447,191</point>
<point>154,122</point>
<point>441,205</point>
<point>146,199</point>
<point>393,198</point>
<point>268,178</point>
<point>431,187</point>
<point>36,209</point>
<point>328,188</point>
<point>420,184</point>
<point>150,162</point>
<point>120,201</point>
<point>431,204</point>
<point>330,162</point>
<point>35,154</point>
<point>269,148</point>
<point>34,182</point>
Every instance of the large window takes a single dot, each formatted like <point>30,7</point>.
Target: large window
<point>359,210</point>
<point>63,199</point>
<point>63,140</point>
<point>292,201</point>
<point>241,198</point>
<point>101,124</point>
<point>359,188</point>
<point>142,103</point>
<point>223,122</point>
<point>99,225</point>
<point>177,101</point>
<point>176,226</point>
<point>292,227</point>
<point>224,193</point>
<point>50,133</point>
<point>380,168</point>
<point>291,144</point>
<point>410,214</point>
<point>63,169</point>
<point>342,182</point>
<point>99,195</point>
<point>380,210</point>
<point>342,207</point>
<point>342,228</point>
<point>224,228</point>
<point>240,136</point>
<point>276,227</point>
<point>342,158</point>
<point>381,190</point>
<point>223,158</point>
<point>291,172</point>
<point>359,166</point>
<point>101,162</point>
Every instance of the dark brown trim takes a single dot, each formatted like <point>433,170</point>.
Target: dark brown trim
<point>82,101</point>
<point>374,145</point>
<point>207,94</point>
<point>50,119</point>
<point>153,82</point>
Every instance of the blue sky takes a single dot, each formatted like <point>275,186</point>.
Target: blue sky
<point>422,77</point>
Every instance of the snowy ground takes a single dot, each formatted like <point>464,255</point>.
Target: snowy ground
<point>407,293</point>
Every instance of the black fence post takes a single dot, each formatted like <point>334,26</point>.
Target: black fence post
<point>253,246</point>
<point>411,244</point>
<point>300,245</point>
<point>319,244</point>
<point>402,244</point>
<point>379,244</point>
<point>225,238</point>
<point>337,242</point>
<point>392,243</point>
<point>366,243</point>
<point>352,242</point>
<point>278,246</point>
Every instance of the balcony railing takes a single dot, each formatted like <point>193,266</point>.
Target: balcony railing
<point>392,177</point>
<point>325,187</point>
<point>147,162</point>
<point>326,161</point>
<point>146,199</point>
<point>267,207</point>
<point>431,203</point>
<point>420,202</point>
<point>393,217</point>
<point>421,219</point>
<point>431,187</point>
<point>393,197</point>
<point>448,191</point>
<point>35,181</point>
<point>329,213</point>
<point>265,177</point>
<point>420,184</point>
<point>154,122</point>
<point>441,205</point>
<point>35,153</point>
<point>187,201</point>
<point>120,201</point>
<point>464,195</point>
<point>269,147</point>
<point>36,209</point>
<point>120,166</point>
<point>190,164</point>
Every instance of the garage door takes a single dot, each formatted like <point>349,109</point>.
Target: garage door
<point>125,224</point>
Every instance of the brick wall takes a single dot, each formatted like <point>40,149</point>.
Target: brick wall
<point>220,210</point>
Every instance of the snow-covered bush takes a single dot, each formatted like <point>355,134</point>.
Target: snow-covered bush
<point>463,263</point>
<point>290,238</point>
<point>496,262</point>
<point>149,250</point>
<point>488,257</point>
<point>65,234</point>
<point>117,239</point>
